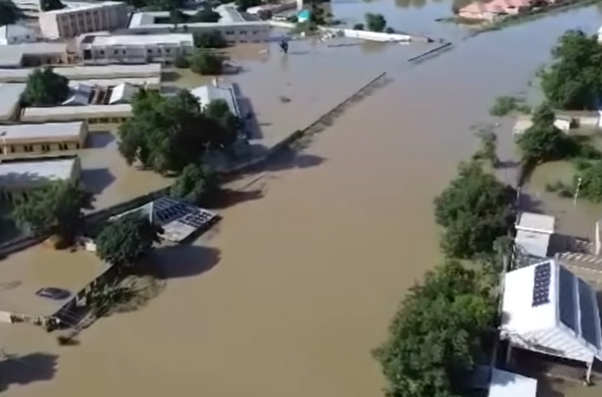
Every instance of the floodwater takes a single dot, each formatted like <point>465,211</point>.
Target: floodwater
<point>297,285</point>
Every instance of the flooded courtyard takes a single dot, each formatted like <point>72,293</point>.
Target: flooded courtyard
<point>296,286</point>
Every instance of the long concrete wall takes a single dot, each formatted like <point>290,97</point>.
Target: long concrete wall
<point>372,36</point>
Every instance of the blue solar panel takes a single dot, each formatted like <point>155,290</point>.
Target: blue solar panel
<point>197,219</point>
<point>541,285</point>
<point>567,299</point>
<point>588,314</point>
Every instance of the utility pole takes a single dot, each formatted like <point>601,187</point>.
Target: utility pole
<point>577,191</point>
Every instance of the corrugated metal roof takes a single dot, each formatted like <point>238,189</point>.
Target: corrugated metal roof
<point>207,93</point>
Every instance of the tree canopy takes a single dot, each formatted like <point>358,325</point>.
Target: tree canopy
<point>475,209</point>
<point>56,208</point>
<point>46,88</point>
<point>435,336</point>
<point>573,81</point>
<point>212,39</point>
<point>543,141</point>
<point>8,14</point>
<point>375,22</point>
<point>196,184</point>
<point>124,240</point>
<point>206,62</point>
<point>51,5</point>
<point>167,134</point>
<point>243,5</point>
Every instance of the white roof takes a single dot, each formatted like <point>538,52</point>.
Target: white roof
<point>80,95</point>
<point>539,306</point>
<point>123,93</point>
<point>11,55</point>
<point>41,132</point>
<point>86,72</point>
<point>146,20</point>
<point>535,222</point>
<point>208,93</point>
<point>75,112</point>
<point>523,124</point>
<point>228,14</point>
<point>508,384</point>
<point>136,81</point>
<point>8,32</point>
<point>10,95</point>
<point>141,40</point>
<point>30,174</point>
<point>533,243</point>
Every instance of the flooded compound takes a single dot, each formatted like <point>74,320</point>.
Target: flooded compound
<point>296,287</point>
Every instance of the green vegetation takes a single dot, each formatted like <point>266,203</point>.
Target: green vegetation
<point>8,14</point>
<point>507,104</point>
<point>181,62</point>
<point>123,241</point>
<point>56,208</point>
<point>167,134</point>
<point>45,88</point>
<point>51,5</point>
<point>375,22</point>
<point>488,149</point>
<point>573,81</point>
<point>475,209</point>
<point>206,62</point>
<point>436,334</point>
<point>243,5</point>
<point>210,40</point>
<point>196,184</point>
<point>358,26</point>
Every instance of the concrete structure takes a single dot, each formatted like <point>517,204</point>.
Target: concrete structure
<point>93,114</point>
<point>367,35</point>
<point>164,49</point>
<point>123,93</point>
<point>16,34</point>
<point>547,309</point>
<point>31,8</point>
<point>79,95</point>
<point>150,83</point>
<point>42,138</point>
<point>18,177</point>
<point>533,234</point>
<point>495,9</point>
<point>10,99</point>
<point>35,54</point>
<point>87,72</point>
<point>522,124</point>
<point>207,93</point>
<point>93,17</point>
<point>232,26</point>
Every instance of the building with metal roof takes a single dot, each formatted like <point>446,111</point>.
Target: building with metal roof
<point>18,177</point>
<point>509,384</point>
<point>87,72</point>
<point>547,309</point>
<point>93,114</point>
<point>33,54</point>
<point>10,98</point>
<point>42,138</point>
<point>123,93</point>
<point>207,93</point>
<point>533,234</point>
<point>80,95</point>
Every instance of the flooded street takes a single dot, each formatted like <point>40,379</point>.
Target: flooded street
<point>290,294</point>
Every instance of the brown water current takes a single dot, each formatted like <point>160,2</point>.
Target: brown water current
<point>297,285</point>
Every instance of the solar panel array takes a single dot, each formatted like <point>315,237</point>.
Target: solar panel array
<point>588,314</point>
<point>541,286</point>
<point>197,219</point>
<point>168,210</point>
<point>567,298</point>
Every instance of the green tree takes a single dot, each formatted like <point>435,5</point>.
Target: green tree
<point>196,184</point>
<point>46,88</point>
<point>210,40</point>
<point>123,241</point>
<point>8,15</point>
<point>51,5</point>
<point>436,334</point>
<point>220,111</point>
<point>488,149</point>
<point>475,209</point>
<point>573,81</point>
<point>205,62</point>
<point>206,14</point>
<point>358,26</point>
<point>243,5</point>
<point>167,134</point>
<point>375,22</point>
<point>55,208</point>
<point>543,141</point>
<point>181,62</point>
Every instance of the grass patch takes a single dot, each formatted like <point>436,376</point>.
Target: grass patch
<point>505,105</point>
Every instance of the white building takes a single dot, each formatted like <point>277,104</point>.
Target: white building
<point>233,27</point>
<point>522,124</point>
<point>16,34</point>
<point>207,93</point>
<point>34,54</point>
<point>19,177</point>
<point>509,384</point>
<point>87,72</point>
<point>42,138</point>
<point>93,114</point>
<point>164,48</point>
<point>547,309</point>
<point>533,234</point>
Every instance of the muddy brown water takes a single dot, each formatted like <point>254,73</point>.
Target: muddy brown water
<point>294,289</point>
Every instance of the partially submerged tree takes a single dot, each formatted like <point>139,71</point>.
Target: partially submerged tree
<point>435,337</point>
<point>212,39</point>
<point>8,14</point>
<point>475,209</point>
<point>51,5</point>
<point>205,14</point>
<point>126,239</point>
<point>488,149</point>
<point>375,22</point>
<point>206,62</point>
<point>56,208</point>
<point>196,184</point>
<point>46,88</point>
<point>573,81</point>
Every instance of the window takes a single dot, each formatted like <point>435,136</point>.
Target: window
<point>46,147</point>
<point>63,146</point>
<point>28,148</point>
<point>243,32</point>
